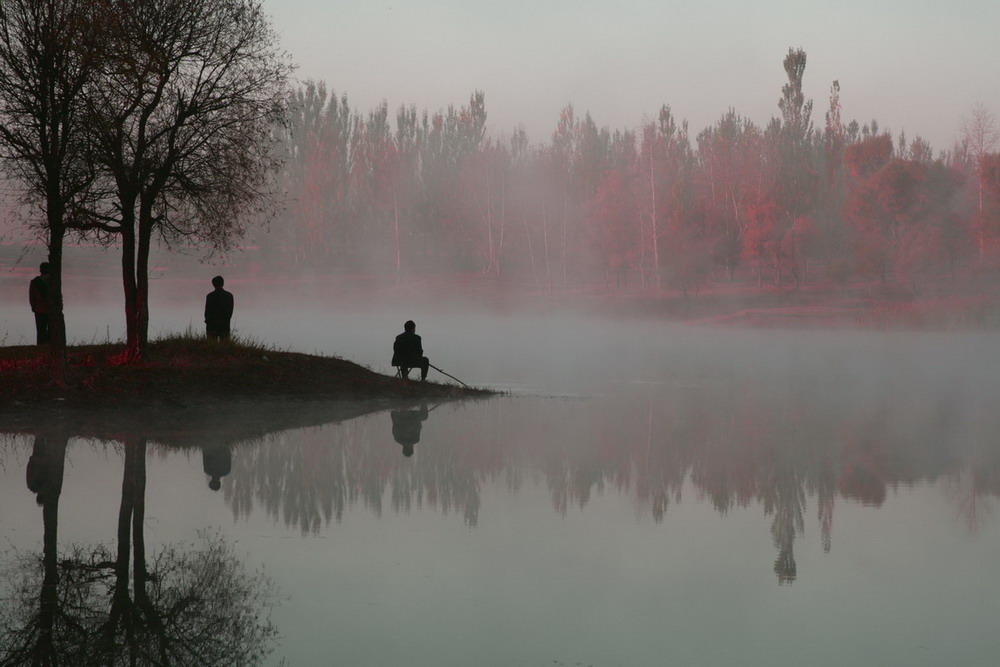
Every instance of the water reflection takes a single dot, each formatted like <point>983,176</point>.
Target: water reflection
<point>216,461</point>
<point>307,478</point>
<point>406,426</point>
<point>788,445</point>
<point>735,449</point>
<point>188,604</point>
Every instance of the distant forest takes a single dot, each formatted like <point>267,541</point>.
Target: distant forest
<point>783,204</point>
<point>798,201</point>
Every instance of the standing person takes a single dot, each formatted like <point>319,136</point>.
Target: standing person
<point>408,352</point>
<point>218,310</point>
<point>38,297</point>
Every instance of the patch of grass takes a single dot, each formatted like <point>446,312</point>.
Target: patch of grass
<point>184,368</point>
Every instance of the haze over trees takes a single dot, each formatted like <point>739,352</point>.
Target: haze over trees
<point>796,201</point>
<point>169,122</point>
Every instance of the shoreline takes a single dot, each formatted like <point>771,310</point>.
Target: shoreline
<point>185,371</point>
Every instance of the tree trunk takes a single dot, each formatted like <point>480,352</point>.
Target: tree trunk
<point>395,213</point>
<point>531,253</point>
<point>57,319</point>
<point>655,230</point>
<point>142,290</point>
<point>130,289</point>
<point>503,221</point>
<point>545,239</point>
<point>565,216</point>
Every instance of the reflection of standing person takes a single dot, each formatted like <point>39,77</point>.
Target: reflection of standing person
<point>218,310</point>
<point>217,461</point>
<point>44,473</point>
<point>406,425</point>
<point>39,298</point>
<point>44,476</point>
<point>408,351</point>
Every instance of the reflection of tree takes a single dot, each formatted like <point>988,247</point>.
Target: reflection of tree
<point>308,477</point>
<point>778,444</point>
<point>190,605</point>
<point>975,486</point>
<point>37,638</point>
<point>785,499</point>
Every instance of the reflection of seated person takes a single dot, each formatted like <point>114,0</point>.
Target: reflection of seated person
<point>217,461</point>
<point>408,352</point>
<point>406,425</point>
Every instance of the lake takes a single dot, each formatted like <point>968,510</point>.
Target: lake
<point>644,494</point>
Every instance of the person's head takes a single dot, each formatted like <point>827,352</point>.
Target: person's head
<point>215,483</point>
<point>407,450</point>
<point>44,268</point>
<point>409,326</point>
<point>217,282</point>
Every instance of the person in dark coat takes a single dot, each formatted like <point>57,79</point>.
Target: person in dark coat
<point>41,304</point>
<point>408,352</point>
<point>406,427</point>
<point>218,310</point>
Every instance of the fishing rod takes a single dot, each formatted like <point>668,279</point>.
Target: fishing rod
<point>451,376</point>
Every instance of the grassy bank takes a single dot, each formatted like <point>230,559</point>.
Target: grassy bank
<point>182,370</point>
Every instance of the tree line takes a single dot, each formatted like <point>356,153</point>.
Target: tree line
<point>657,207</point>
<point>170,121</point>
<point>129,123</point>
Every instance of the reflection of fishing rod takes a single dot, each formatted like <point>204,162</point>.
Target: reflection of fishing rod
<point>451,376</point>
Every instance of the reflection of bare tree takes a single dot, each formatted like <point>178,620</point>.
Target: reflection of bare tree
<point>974,488</point>
<point>189,605</point>
<point>775,444</point>
<point>36,641</point>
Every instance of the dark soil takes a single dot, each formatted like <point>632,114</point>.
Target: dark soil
<point>186,371</point>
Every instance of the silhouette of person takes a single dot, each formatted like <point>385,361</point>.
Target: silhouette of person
<point>218,310</point>
<point>44,472</point>
<point>40,300</point>
<point>406,425</point>
<point>217,461</point>
<point>408,352</point>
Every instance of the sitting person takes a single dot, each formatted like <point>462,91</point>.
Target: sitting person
<point>407,352</point>
<point>406,426</point>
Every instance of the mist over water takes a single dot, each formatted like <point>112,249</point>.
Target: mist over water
<point>701,451</point>
<point>648,493</point>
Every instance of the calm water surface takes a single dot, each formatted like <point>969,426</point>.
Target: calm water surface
<point>647,495</point>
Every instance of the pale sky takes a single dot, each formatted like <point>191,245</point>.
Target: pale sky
<point>914,65</point>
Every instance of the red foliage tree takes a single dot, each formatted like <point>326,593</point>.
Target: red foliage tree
<point>614,233</point>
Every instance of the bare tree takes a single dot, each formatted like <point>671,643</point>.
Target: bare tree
<point>980,137</point>
<point>48,53</point>
<point>182,119</point>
